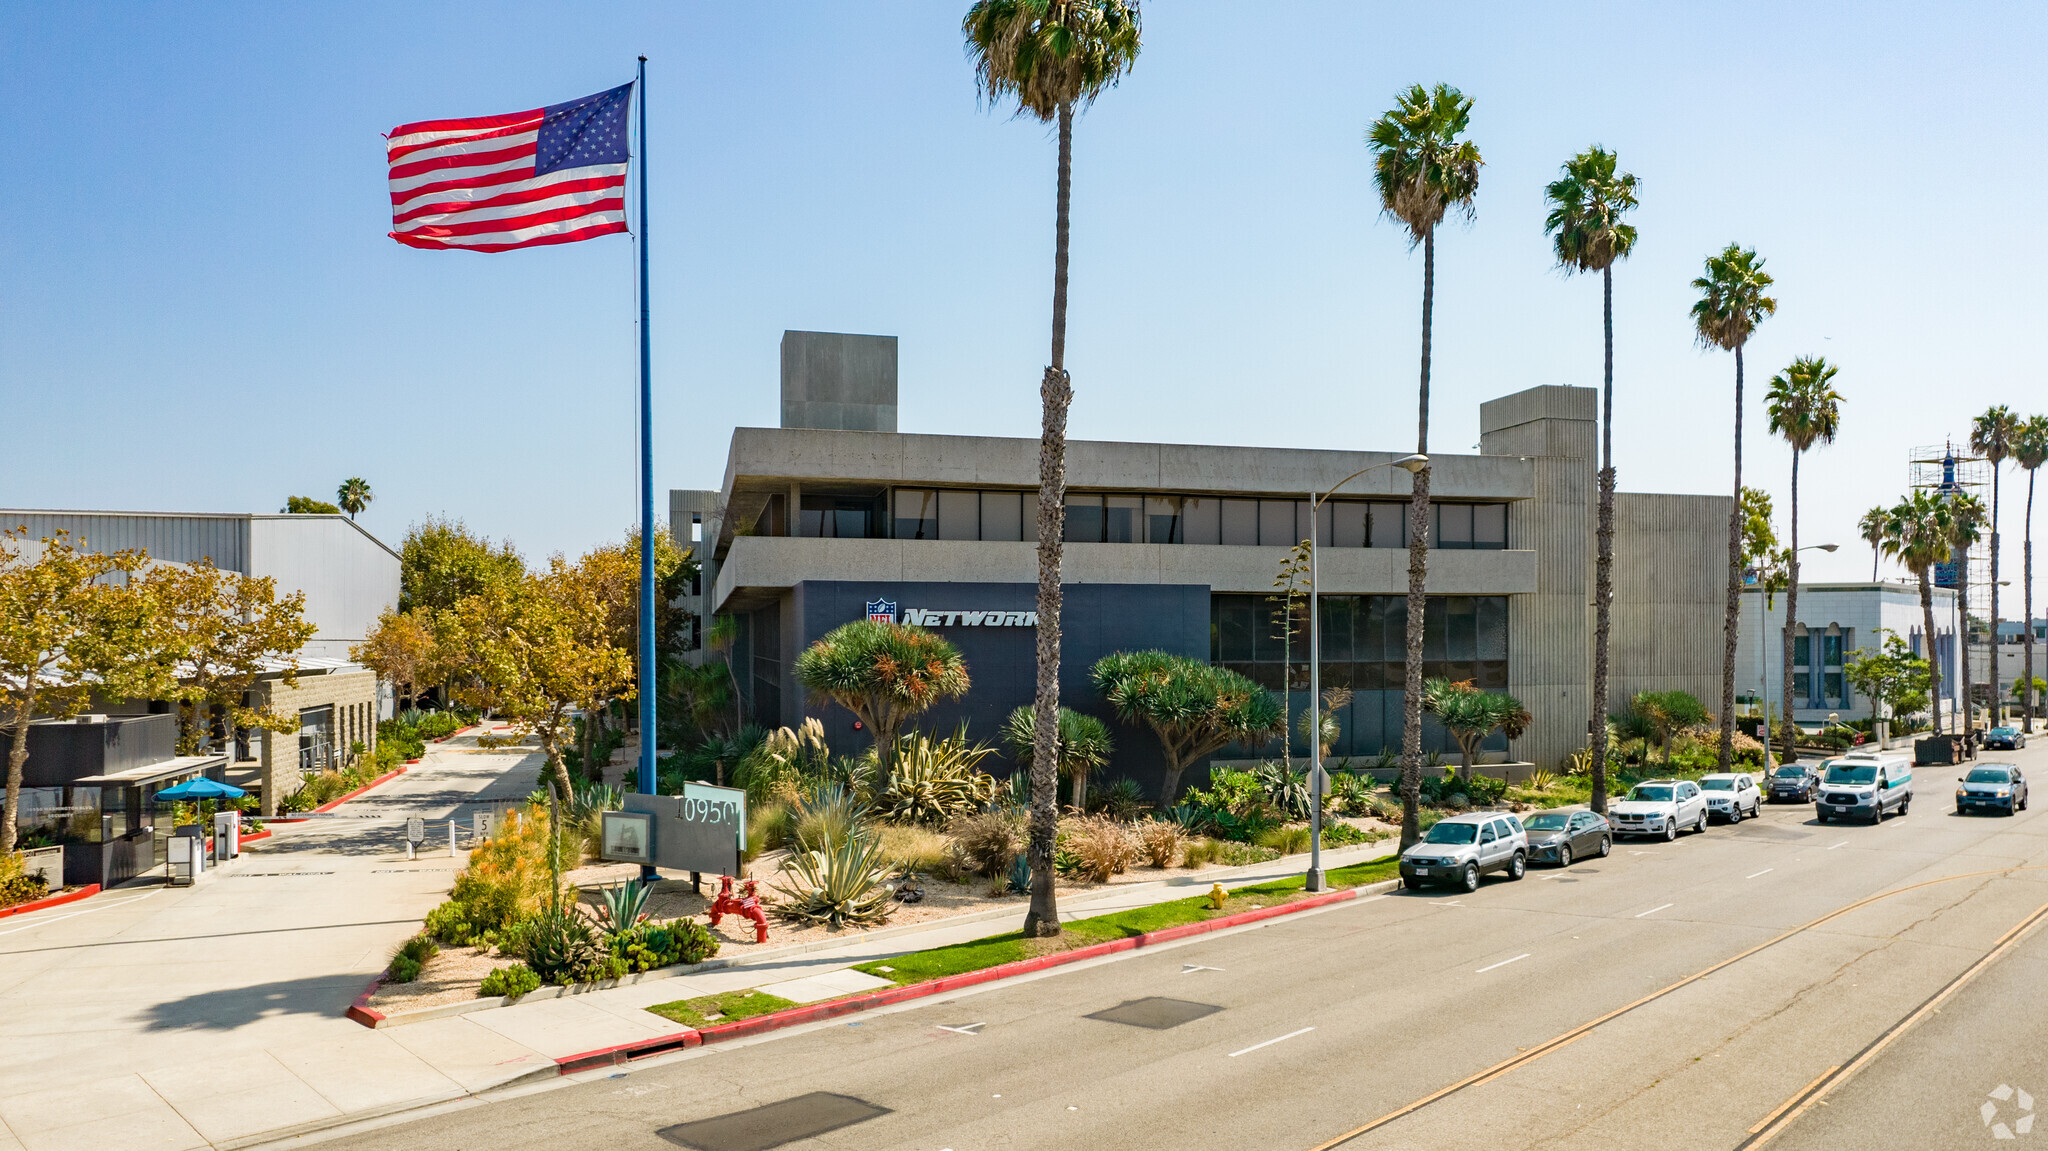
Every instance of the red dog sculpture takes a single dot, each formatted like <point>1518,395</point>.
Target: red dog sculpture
<point>747,906</point>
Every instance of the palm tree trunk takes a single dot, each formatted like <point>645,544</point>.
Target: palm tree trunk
<point>1418,575</point>
<point>1791,620</point>
<point>1933,656</point>
<point>1056,392</point>
<point>1603,579</point>
<point>1997,701</point>
<point>1081,788</point>
<point>1729,624</point>
<point>2027,628</point>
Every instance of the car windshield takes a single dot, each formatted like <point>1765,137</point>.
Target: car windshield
<point>2003,731</point>
<point>1651,794</point>
<point>1547,821</point>
<point>1989,775</point>
<point>1452,833</point>
<point>1790,772</point>
<point>1718,784</point>
<point>1852,773</point>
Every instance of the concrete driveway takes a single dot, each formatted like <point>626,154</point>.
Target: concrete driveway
<point>159,1017</point>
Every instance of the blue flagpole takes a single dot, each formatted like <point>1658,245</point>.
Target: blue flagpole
<point>647,669</point>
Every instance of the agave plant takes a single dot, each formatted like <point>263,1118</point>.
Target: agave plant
<point>844,882</point>
<point>562,949</point>
<point>624,906</point>
<point>592,798</point>
<point>935,780</point>
<point>1285,789</point>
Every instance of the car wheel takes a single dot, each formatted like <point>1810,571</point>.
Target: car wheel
<point>1670,829</point>
<point>1701,826</point>
<point>2010,809</point>
<point>1518,866</point>
<point>1735,814</point>
<point>1469,880</point>
<point>1606,845</point>
<point>1820,817</point>
<point>1905,805</point>
<point>1564,855</point>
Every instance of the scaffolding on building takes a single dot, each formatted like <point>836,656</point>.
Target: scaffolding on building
<point>1949,467</point>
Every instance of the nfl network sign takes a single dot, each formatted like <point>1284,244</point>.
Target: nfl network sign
<point>884,611</point>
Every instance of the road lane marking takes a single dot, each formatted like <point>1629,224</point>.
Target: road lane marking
<point>1765,871</point>
<point>1502,963</point>
<point>1844,843</point>
<point>965,1028</point>
<point>1572,1036</point>
<point>1190,968</point>
<point>1652,911</point>
<point>1452,903</point>
<point>1269,1042</point>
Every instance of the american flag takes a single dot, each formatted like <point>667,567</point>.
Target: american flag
<point>552,175</point>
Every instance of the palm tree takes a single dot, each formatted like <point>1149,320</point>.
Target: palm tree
<point>2030,450</point>
<point>1923,530</point>
<point>353,495</point>
<point>1804,410</point>
<point>1731,304</point>
<point>1421,170</point>
<point>1051,56</point>
<point>1586,205</point>
<point>1991,436</point>
<point>1871,528</point>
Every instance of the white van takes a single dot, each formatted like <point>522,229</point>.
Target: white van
<point>1864,785</point>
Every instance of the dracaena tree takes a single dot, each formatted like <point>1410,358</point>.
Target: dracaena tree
<point>70,625</point>
<point>1423,169</point>
<point>1471,715</point>
<point>1050,58</point>
<point>1084,745</point>
<point>1588,202</point>
<point>1991,436</point>
<point>2030,451</point>
<point>1804,409</point>
<point>1731,304</point>
<point>1194,708</point>
<point>886,674</point>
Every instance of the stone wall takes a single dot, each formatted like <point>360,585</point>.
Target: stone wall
<point>352,693</point>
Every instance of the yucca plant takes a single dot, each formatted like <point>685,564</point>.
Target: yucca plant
<point>936,780</point>
<point>845,882</point>
<point>1123,799</point>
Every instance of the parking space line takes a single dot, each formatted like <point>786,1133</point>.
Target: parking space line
<point>1269,1042</point>
<point>1652,911</point>
<point>1502,963</point>
<point>1765,871</point>
<point>1844,843</point>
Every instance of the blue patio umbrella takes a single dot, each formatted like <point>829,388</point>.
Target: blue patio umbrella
<point>202,788</point>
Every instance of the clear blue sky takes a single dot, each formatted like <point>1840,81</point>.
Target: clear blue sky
<point>200,309</point>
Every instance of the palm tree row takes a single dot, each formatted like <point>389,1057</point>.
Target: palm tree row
<point>1998,435</point>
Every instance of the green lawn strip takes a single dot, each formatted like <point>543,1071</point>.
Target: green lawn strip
<point>959,958</point>
<point>727,1005</point>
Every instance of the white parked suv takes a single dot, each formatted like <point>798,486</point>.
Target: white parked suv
<point>1732,796</point>
<point>1660,807</point>
<point>1459,849</point>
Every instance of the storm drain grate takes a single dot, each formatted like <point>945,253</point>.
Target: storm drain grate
<point>1157,1012</point>
<point>773,1125</point>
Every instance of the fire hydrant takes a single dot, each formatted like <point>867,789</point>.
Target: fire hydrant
<point>1216,897</point>
<point>747,906</point>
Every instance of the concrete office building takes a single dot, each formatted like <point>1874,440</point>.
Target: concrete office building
<point>348,577</point>
<point>1175,547</point>
<point>1837,620</point>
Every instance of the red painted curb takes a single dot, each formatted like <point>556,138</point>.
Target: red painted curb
<point>387,777</point>
<point>89,889</point>
<point>264,834</point>
<point>360,1010</point>
<point>833,1008</point>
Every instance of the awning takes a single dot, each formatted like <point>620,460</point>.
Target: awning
<point>157,772</point>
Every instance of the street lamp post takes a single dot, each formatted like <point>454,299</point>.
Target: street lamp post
<point>1763,699</point>
<point>1317,781</point>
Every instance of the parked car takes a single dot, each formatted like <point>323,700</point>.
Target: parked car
<point>1864,785</point>
<point>1795,782</point>
<point>1660,807</point>
<point>2004,739</point>
<point>1561,836</point>
<point>1459,849</point>
<point>1732,795</point>
<point>1992,787</point>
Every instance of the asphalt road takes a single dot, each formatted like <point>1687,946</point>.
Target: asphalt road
<point>1671,996</point>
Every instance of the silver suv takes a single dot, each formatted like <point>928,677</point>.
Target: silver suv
<point>1461,848</point>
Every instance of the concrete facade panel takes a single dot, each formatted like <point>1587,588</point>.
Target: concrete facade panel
<point>1670,596</point>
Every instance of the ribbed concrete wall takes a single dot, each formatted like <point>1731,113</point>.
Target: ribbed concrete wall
<point>1670,595</point>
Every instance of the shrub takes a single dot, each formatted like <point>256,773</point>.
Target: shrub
<point>1339,834</point>
<point>1235,805</point>
<point>935,780</point>
<point>411,956</point>
<point>511,982</point>
<point>562,948</point>
<point>769,826</point>
<point>17,886</point>
<point>1350,794</point>
<point>843,882</point>
<point>1122,799</point>
<point>828,813</point>
<point>911,849</point>
<point>1199,852</point>
<point>1285,840</point>
<point>647,946</point>
<point>506,881</point>
<point>1286,791</point>
<point>1095,848</point>
<point>986,842</point>
<point>1161,842</point>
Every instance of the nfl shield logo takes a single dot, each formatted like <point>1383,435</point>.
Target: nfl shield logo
<point>881,611</point>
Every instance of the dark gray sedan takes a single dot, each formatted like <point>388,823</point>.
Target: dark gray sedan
<point>1562,836</point>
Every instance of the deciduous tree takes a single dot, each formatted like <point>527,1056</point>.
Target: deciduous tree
<point>402,649</point>
<point>221,632</point>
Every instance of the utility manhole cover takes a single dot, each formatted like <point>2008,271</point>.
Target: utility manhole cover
<point>1157,1013</point>
<point>760,1128</point>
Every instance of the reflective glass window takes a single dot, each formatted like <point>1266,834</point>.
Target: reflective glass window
<point>1002,515</point>
<point>1490,526</point>
<point>1276,524</point>
<point>959,515</point>
<point>1201,520</point>
<point>1240,522</point>
<point>1122,520</point>
<point>1163,524</point>
<point>1453,526</point>
<point>1348,523</point>
<point>1084,519</point>
<point>1389,525</point>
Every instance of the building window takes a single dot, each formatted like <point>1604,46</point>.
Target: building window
<point>1084,520</point>
<point>766,642</point>
<point>1123,519</point>
<point>917,515</point>
<point>1240,522</point>
<point>1007,517</point>
<point>840,517</point>
<point>959,515</point>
